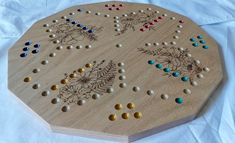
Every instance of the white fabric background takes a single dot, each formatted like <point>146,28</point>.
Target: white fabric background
<point>215,124</point>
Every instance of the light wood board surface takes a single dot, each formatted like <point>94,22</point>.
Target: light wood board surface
<point>114,70</point>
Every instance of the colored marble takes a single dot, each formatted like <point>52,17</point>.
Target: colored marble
<point>90,31</point>
<point>28,43</point>
<point>36,46</point>
<point>179,100</point>
<point>200,37</point>
<point>185,78</point>
<point>192,39</point>
<point>202,41</point>
<point>195,44</point>
<point>151,62</point>
<point>73,22</point>
<point>205,47</point>
<point>167,70</point>
<point>159,66</point>
<point>25,49</point>
<point>23,55</point>
<point>176,74</point>
<point>35,51</point>
<point>78,25</point>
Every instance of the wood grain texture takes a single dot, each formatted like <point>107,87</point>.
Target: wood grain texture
<point>76,77</point>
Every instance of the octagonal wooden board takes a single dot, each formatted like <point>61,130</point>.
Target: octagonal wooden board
<point>114,70</point>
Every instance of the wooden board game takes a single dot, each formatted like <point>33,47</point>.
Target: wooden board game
<point>114,70</point>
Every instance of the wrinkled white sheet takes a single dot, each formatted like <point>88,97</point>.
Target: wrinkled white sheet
<point>215,124</point>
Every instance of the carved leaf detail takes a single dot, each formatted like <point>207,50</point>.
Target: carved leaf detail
<point>175,59</point>
<point>96,80</point>
<point>104,78</point>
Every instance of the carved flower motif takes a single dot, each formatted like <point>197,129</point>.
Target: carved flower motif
<point>176,59</point>
<point>96,80</point>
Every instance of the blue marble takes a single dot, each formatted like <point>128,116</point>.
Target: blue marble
<point>195,44</point>
<point>185,78</point>
<point>90,31</point>
<point>23,55</point>
<point>28,43</point>
<point>36,46</point>
<point>193,39</point>
<point>159,66</point>
<point>167,69</point>
<point>84,28</point>
<point>25,49</point>
<point>151,62</point>
<point>35,51</point>
<point>202,41</point>
<point>176,74</point>
<point>205,47</point>
<point>74,22</point>
<point>200,37</point>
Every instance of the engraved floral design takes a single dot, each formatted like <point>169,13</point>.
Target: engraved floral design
<point>176,59</point>
<point>68,34</point>
<point>94,81</point>
<point>132,20</point>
